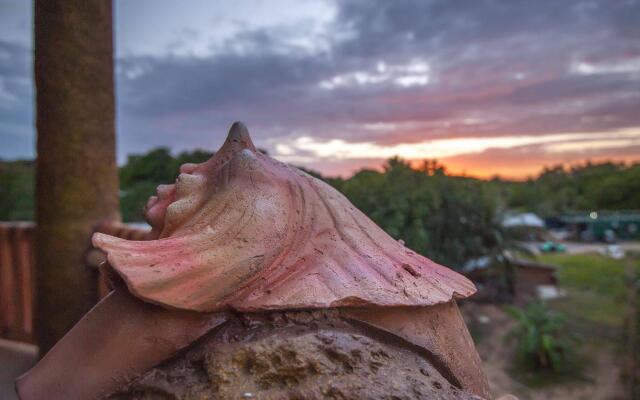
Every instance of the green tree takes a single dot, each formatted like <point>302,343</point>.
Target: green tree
<point>143,173</point>
<point>16,190</point>
<point>588,186</point>
<point>445,218</point>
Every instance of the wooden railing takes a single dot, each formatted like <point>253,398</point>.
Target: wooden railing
<point>17,274</point>
<point>16,280</point>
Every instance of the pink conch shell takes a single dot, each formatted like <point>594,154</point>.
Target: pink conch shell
<point>246,232</point>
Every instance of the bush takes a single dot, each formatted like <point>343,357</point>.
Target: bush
<point>448,219</point>
<point>543,341</point>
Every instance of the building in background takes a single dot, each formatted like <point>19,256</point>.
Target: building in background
<point>606,226</point>
<point>525,226</point>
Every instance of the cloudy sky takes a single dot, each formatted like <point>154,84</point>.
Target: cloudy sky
<point>487,87</point>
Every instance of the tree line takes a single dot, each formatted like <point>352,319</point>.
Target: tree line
<point>447,218</point>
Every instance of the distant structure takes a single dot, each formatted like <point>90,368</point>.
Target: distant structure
<point>529,220</point>
<point>533,280</point>
<point>525,226</point>
<point>603,225</point>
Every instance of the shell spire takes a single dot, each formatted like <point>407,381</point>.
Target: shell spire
<point>246,232</point>
<point>238,137</point>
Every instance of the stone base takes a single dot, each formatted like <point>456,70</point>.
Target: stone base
<point>295,355</point>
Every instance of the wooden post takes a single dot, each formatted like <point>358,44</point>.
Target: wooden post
<point>7,283</point>
<point>76,180</point>
<point>631,325</point>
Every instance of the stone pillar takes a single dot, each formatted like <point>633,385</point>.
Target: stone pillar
<point>77,177</point>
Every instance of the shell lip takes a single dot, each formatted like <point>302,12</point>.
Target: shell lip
<point>326,253</point>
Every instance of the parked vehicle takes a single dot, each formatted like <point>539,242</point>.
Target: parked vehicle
<point>552,247</point>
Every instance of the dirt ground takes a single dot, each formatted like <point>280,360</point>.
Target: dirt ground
<point>601,375</point>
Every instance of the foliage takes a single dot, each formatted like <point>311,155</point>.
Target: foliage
<point>16,190</point>
<point>143,173</point>
<point>448,219</point>
<point>596,288</point>
<point>608,185</point>
<point>543,341</point>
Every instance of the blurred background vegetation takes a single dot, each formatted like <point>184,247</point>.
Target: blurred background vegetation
<point>448,218</point>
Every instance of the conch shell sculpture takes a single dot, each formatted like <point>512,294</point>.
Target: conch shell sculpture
<point>243,232</point>
<point>246,232</point>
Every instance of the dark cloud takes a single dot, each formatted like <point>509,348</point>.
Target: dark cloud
<point>178,84</point>
<point>476,51</point>
<point>16,101</point>
<point>494,69</point>
<point>15,60</point>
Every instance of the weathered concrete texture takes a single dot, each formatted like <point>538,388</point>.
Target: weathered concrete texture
<point>295,355</point>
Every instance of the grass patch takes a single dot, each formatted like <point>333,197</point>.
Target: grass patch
<point>594,310</point>
<point>590,271</point>
<point>596,291</point>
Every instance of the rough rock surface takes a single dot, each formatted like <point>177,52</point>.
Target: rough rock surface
<point>294,355</point>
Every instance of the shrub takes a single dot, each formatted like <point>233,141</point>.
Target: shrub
<point>543,341</point>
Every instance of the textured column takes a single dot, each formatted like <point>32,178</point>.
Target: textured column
<point>77,180</point>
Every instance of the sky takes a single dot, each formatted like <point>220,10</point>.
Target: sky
<point>486,87</point>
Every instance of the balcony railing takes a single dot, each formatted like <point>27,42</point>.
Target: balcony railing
<point>18,273</point>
